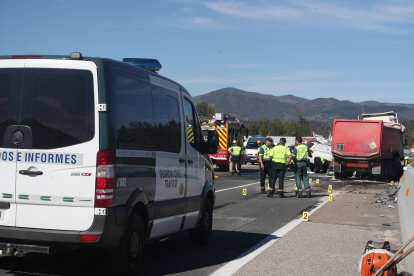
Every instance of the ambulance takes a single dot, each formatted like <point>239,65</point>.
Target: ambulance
<point>96,152</point>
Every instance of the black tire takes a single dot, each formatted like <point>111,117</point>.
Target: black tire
<point>224,168</point>
<point>325,167</point>
<point>312,167</point>
<point>127,257</point>
<point>397,170</point>
<point>318,164</point>
<point>339,175</point>
<point>349,174</point>
<point>202,232</point>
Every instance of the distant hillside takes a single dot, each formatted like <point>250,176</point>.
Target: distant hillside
<point>253,106</point>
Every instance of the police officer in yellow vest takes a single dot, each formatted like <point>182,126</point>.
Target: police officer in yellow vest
<point>265,163</point>
<point>300,153</point>
<point>280,156</point>
<point>235,158</point>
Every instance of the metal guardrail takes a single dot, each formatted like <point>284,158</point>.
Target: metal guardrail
<point>406,211</point>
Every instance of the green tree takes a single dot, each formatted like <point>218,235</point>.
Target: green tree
<point>204,109</point>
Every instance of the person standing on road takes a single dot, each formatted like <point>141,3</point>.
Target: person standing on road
<point>300,153</point>
<point>280,155</point>
<point>259,145</point>
<point>235,158</point>
<point>265,163</point>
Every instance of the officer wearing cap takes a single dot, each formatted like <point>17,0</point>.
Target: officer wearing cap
<point>280,155</point>
<point>265,163</point>
<point>300,155</point>
<point>235,158</point>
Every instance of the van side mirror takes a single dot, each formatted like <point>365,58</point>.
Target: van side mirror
<point>210,142</point>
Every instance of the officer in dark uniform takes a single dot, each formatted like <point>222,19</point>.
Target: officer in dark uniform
<point>265,163</point>
<point>301,153</point>
<point>279,155</point>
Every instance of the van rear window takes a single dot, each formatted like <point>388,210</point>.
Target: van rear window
<point>57,106</point>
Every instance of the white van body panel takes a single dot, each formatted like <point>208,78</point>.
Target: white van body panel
<point>63,196</point>
<point>8,168</point>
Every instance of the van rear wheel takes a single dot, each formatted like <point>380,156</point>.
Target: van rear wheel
<point>127,257</point>
<point>202,232</point>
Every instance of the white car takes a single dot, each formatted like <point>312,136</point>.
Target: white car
<point>250,152</point>
<point>321,158</point>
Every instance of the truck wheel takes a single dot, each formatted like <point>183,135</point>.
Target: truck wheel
<point>339,175</point>
<point>397,170</point>
<point>224,168</point>
<point>202,232</point>
<point>127,257</point>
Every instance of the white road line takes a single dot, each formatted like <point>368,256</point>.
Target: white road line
<point>233,266</point>
<point>237,187</point>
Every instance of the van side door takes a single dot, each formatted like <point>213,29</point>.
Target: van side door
<point>170,167</point>
<point>196,164</point>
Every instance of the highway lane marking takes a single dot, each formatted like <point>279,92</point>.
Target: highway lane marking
<point>237,187</point>
<point>233,266</point>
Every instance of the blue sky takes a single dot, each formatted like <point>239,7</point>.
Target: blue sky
<point>349,50</point>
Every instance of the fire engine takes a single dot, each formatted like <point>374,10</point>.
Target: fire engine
<point>228,129</point>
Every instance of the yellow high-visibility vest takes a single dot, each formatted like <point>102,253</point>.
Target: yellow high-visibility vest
<point>280,154</point>
<point>301,152</point>
<point>235,150</point>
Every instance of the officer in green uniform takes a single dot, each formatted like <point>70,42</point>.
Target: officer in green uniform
<point>280,156</point>
<point>265,163</point>
<point>235,158</point>
<point>300,153</point>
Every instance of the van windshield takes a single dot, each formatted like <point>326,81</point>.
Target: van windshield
<point>54,105</point>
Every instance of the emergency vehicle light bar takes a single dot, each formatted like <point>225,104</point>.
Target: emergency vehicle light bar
<point>146,63</point>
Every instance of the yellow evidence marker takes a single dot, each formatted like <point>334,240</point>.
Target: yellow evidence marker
<point>317,181</point>
<point>305,216</point>
<point>244,192</point>
<point>331,197</point>
<point>330,189</point>
<point>310,180</point>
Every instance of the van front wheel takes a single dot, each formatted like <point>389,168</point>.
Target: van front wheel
<point>127,257</point>
<point>202,232</point>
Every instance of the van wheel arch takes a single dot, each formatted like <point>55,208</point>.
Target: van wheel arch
<point>141,210</point>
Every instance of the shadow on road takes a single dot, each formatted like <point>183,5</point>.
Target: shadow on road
<point>175,255</point>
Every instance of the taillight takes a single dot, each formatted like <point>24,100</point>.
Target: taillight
<point>88,238</point>
<point>105,178</point>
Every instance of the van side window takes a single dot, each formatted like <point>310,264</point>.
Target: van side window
<point>167,120</point>
<point>192,125</point>
<point>58,106</point>
<point>134,121</point>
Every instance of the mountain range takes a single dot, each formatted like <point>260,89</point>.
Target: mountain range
<point>253,106</point>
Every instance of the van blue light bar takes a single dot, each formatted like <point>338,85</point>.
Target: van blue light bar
<point>146,63</point>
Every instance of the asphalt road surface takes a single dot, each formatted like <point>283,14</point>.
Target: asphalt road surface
<point>240,222</point>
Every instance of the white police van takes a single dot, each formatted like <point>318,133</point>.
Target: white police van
<point>101,153</point>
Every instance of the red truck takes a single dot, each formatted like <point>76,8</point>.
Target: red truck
<point>369,146</point>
